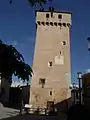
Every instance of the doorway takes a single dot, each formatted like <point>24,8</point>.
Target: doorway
<point>50,105</point>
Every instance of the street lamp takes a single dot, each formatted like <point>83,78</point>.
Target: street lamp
<point>79,77</point>
<point>74,87</point>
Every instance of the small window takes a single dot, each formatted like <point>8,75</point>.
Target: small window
<point>64,24</point>
<point>60,52</point>
<point>42,82</point>
<point>51,93</point>
<point>50,64</point>
<point>47,15</point>
<point>63,42</point>
<point>43,23</point>
<point>55,23</point>
<point>47,23</point>
<point>59,16</point>
<point>38,22</point>
<point>51,23</point>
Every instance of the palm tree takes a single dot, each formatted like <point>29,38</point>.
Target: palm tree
<point>12,63</point>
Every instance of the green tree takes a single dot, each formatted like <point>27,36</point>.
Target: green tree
<point>12,63</point>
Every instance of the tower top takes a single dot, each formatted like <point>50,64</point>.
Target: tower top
<point>57,17</point>
<point>55,11</point>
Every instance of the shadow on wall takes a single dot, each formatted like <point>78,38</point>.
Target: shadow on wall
<point>63,105</point>
<point>72,112</point>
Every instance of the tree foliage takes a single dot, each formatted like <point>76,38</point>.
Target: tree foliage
<point>36,2</point>
<point>12,62</point>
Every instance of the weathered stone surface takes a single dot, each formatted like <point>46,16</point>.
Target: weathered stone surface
<point>48,47</point>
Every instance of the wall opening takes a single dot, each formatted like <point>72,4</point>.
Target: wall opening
<point>50,93</point>
<point>50,64</point>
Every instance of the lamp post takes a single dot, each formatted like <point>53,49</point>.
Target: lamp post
<point>73,87</point>
<point>79,80</point>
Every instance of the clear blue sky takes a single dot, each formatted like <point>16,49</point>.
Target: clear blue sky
<point>17,27</point>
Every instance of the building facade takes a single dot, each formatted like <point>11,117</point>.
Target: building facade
<point>51,63</point>
<point>86,89</point>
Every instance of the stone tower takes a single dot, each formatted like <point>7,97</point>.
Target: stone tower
<point>51,63</point>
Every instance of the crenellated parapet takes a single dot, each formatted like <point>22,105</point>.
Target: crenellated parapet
<point>57,24</point>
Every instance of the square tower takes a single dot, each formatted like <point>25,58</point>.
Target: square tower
<point>51,63</point>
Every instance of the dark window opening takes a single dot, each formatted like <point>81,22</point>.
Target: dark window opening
<point>64,42</point>
<point>47,15</point>
<point>59,24</point>
<point>55,23</point>
<point>50,63</point>
<point>51,93</point>
<point>47,23</point>
<point>64,24</point>
<point>38,22</point>
<point>51,23</point>
<point>42,82</point>
<point>43,23</point>
<point>60,52</point>
<point>59,16</point>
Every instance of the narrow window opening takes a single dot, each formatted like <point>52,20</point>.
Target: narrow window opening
<point>51,93</point>
<point>51,23</point>
<point>50,64</point>
<point>64,24</point>
<point>55,23</point>
<point>59,16</point>
<point>47,15</point>
<point>42,82</point>
<point>60,52</point>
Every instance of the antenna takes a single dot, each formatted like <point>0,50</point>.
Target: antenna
<point>10,2</point>
<point>51,8</point>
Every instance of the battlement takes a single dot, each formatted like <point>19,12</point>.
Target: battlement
<point>53,18</point>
